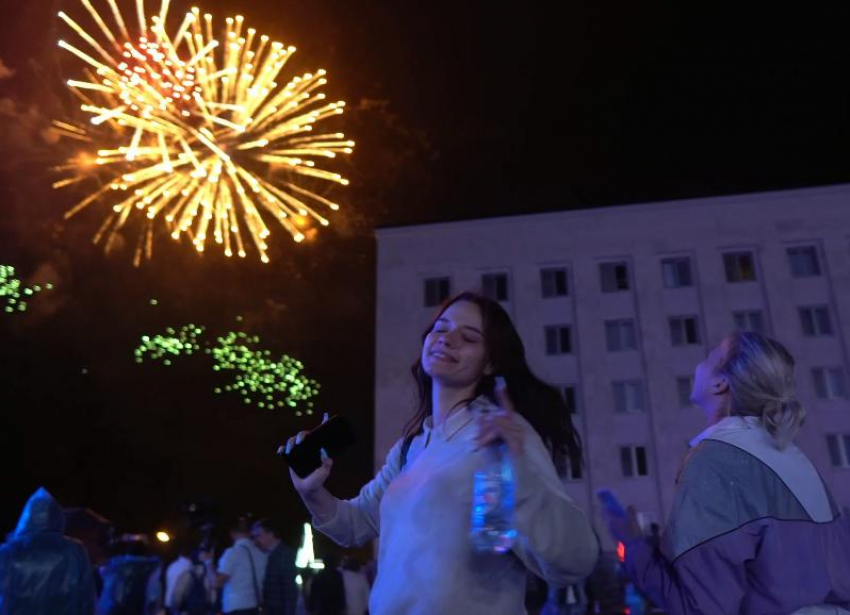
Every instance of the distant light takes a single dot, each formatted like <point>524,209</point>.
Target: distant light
<point>299,580</point>
<point>163,537</point>
<point>621,552</point>
<point>305,552</point>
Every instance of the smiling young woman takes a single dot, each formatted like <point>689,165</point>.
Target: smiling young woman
<point>419,503</point>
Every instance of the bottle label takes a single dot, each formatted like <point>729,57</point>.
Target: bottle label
<point>488,492</point>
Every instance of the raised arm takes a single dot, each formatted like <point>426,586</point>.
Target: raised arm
<point>353,522</point>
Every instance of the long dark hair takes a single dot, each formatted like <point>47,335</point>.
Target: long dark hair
<point>539,403</point>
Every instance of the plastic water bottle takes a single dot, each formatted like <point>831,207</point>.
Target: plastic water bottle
<point>492,529</point>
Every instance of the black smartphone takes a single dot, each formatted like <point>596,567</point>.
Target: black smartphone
<point>335,435</point>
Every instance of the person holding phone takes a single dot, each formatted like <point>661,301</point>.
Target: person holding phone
<point>420,501</point>
<point>754,529</point>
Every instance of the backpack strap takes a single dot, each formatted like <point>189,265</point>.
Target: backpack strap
<point>254,578</point>
<point>405,447</point>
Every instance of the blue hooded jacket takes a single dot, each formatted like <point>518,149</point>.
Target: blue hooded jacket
<point>42,571</point>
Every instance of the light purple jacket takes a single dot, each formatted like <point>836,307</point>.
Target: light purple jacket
<point>753,531</point>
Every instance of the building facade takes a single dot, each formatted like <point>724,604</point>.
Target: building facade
<point>616,307</point>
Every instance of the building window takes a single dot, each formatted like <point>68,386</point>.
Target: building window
<point>568,467</point>
<point>558,340</point>
<point>568,392</point>
<point>752,320</point>
<point>804,261</point>
<point>554,283</point>
<point>614,277</point>
<point>495,286</point>
<point>633,461</point>
<point>676,272</point>
<point>839,450</point>
<point>829,382</point>
<point>684,331</point>
<point>739,266</point>
<point>628,396</point>
<point>436,291</point>
<point>684,386</point>
<point>815,321</point>
<point>620,335</point>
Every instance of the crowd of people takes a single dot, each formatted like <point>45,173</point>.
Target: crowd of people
<point>44,572</point>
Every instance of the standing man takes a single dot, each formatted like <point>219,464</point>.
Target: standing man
<point>327,592</point>
<point>173,572</point>
<point>280,593</point>
<point>241,570</point>
<point>42,571</point>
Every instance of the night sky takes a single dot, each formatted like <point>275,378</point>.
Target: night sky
<point>460,110</point>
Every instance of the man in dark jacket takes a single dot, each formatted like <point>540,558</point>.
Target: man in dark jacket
<point>280,593</point>
<point>327,592</point>
<point>42,571</point>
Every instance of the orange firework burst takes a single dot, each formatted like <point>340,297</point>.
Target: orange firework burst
<point>197,133</point>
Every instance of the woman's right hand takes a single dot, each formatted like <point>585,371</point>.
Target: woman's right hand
<point>315,480</point>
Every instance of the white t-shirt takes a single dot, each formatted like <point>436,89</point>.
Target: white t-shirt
<point>240,592</point>
<point>172,573</point>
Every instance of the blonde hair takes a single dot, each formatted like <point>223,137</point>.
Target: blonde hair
<point>760,372</point>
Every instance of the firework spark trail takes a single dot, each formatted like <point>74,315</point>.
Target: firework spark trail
<point>195,131</point>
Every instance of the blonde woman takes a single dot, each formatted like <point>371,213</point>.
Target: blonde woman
<point>753,529</point>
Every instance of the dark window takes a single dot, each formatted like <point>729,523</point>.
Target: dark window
<point>815,321</point>
<point>628,396</point>
<point>739,266</point>
<point>633,461</point>
<point>684,331</point>
<point>436,291</point>
<point>495,286</point>
<point>839,450</point>
<point>829,382</point>
<point>558,340</point>
<point>752,320</point>
<point>568,467</point>
<point>554,283</point>
<point>640,457</point>
<point>804,261</point>
<point>676,272</point>
<point>620,335</point>
<point>614,277</point>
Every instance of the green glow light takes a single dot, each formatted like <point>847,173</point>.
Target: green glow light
<point>258,377</point>
<point>12,290</point>
<point>173,344</point>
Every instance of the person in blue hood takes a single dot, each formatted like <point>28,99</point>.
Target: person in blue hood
<point>130,581</point>
<point>42,571</point>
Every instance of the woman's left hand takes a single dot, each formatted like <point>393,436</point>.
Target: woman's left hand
<point>501,424</point>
